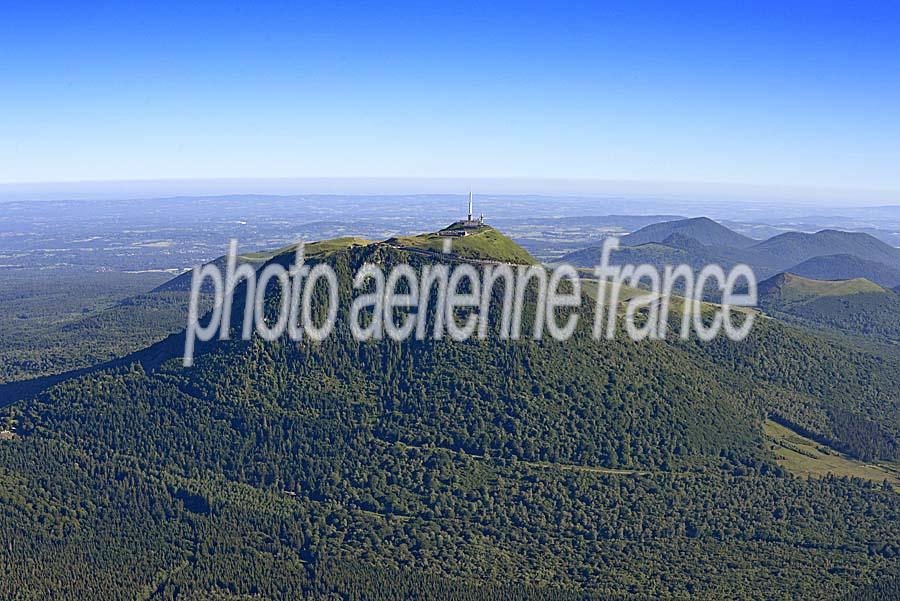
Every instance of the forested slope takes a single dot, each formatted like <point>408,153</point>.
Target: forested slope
<point>471,470</point>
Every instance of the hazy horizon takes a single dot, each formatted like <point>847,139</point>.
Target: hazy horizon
<point>676,191</point>
<point>452,301</point>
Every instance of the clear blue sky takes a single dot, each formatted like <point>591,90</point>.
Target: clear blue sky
<point>781,93</point>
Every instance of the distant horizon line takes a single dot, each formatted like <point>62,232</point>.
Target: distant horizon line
<point>97,189</point>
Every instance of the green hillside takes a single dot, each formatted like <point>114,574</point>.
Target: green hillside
<point>433,469</point>
<point>846,267</point>
<point>828,254</point>
<point>483,243</point>
<point>652,252</point>
<point>702,229</point>
<point>38,340</point>
<point>789,288</point>
<point>56,322</point>
<point>810,459</point>
<point>258,258</point>
<point>791,248</point>
<point>676,250</point>
<point>857,307</point>
<point>312,249</point>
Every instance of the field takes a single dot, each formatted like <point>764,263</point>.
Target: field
<point>807,458</point>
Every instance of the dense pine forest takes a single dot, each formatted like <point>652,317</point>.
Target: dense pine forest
<point>433,469</point>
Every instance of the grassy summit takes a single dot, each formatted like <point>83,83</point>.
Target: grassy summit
<point>790,288</point>
<point>483,243</point>
<point>857,306</point>
<point>312,249</point>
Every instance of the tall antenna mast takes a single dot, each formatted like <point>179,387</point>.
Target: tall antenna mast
<point>470,205</point>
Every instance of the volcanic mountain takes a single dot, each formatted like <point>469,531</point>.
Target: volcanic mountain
<point>432,468</point>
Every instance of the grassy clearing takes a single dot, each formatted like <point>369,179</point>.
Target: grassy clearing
<point>484,243</point>
<point>677,303</point>
<point>311,249</point>
<point>809,459</point>
<point>626,293</point>
<point>796,289</point>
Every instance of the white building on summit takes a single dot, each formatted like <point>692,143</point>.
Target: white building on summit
<point>464,226</point>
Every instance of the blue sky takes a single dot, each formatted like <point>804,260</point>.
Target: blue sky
<point>781,94</point>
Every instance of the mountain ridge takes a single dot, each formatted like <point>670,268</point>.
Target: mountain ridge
<point>845,266</point>
<point>319,470</point>
<point>702,229</point>
<point>793,287</point>
<point>792,248</point>
<point>860,254</point>
<point>855,307</point>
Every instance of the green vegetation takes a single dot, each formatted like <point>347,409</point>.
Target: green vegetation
<point>589,287</point>
<point>881,590</point>
<point>826,255</point>
<point>846,397</point>
<point>789,288</point>
<point>322,247</point>
<point>856,307</point>
<point>792,248</point>
<point>807,458</point>
<point>53,323</point>
<point>653,253</point>
<point>845,267</point>
<point>702,229</point>
<point>433,469</point>
<point>483,243</point>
